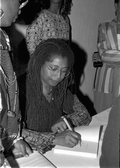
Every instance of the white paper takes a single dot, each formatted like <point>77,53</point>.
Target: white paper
<point>89,133</point>
<point>88,146</point>
<point>35,160</point>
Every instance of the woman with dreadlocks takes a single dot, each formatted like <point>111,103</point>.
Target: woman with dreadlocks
<point>52,22</point>
<point>48,97</point>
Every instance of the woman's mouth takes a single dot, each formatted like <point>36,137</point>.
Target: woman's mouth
<point>54,82</point>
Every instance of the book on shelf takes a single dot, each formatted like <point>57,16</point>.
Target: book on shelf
<point>88,147</point>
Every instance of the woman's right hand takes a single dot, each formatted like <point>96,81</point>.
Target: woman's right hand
<point>67,138</point>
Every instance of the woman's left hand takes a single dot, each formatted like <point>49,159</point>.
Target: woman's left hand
<point>59,126</point>
<point>23,147</point>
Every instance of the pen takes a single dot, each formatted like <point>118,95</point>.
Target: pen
<point>66,122</point>
<point>68,125</point>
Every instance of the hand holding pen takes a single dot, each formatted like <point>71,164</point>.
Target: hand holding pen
<point>69,126</point>
<point>59,126</point>
<point>65,134</point>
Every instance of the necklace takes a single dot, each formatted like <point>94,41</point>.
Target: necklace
<point>49,96</point>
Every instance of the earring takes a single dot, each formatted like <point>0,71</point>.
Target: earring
<point>1,13</point>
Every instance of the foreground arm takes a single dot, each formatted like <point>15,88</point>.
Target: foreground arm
<point>43,142</point>
<point>107,48</point>
<point>80,115</point>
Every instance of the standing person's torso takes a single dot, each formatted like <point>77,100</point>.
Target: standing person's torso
<point>47,25</point>
<point>8,97</point>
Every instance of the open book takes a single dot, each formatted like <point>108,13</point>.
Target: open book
<point>35,159</point>
<point>88,146</point>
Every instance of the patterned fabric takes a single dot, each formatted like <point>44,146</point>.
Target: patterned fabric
<point>9,96</point>
<point>47,25</point>
<point>108,42</point>
<point>107,79</point>
<point>42,142</point>
<point>79,117</point>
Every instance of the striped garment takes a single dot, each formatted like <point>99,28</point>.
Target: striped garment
<point>107,78</point>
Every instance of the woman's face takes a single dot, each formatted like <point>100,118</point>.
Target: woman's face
<point>54,71</point>
<point>10,8</point>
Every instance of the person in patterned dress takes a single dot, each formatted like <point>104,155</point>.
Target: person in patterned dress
<point>107,81</point>
<point>52,22</point>
<point>49,75</point>
<point>10,136</point>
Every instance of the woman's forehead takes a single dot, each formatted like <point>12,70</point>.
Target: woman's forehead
<point>58,58</point>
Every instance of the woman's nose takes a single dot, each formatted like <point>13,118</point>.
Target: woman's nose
<point>58,75</point>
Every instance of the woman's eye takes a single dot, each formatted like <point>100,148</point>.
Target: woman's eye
<point>64,72</point>
<point>54,69</point>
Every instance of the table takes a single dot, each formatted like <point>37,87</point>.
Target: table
<point>65,161</point>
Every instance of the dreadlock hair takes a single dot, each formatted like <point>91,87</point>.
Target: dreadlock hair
<point>65,6</point>
<point>44,52</point>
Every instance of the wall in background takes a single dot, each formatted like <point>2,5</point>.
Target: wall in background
<point>85,17</point>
